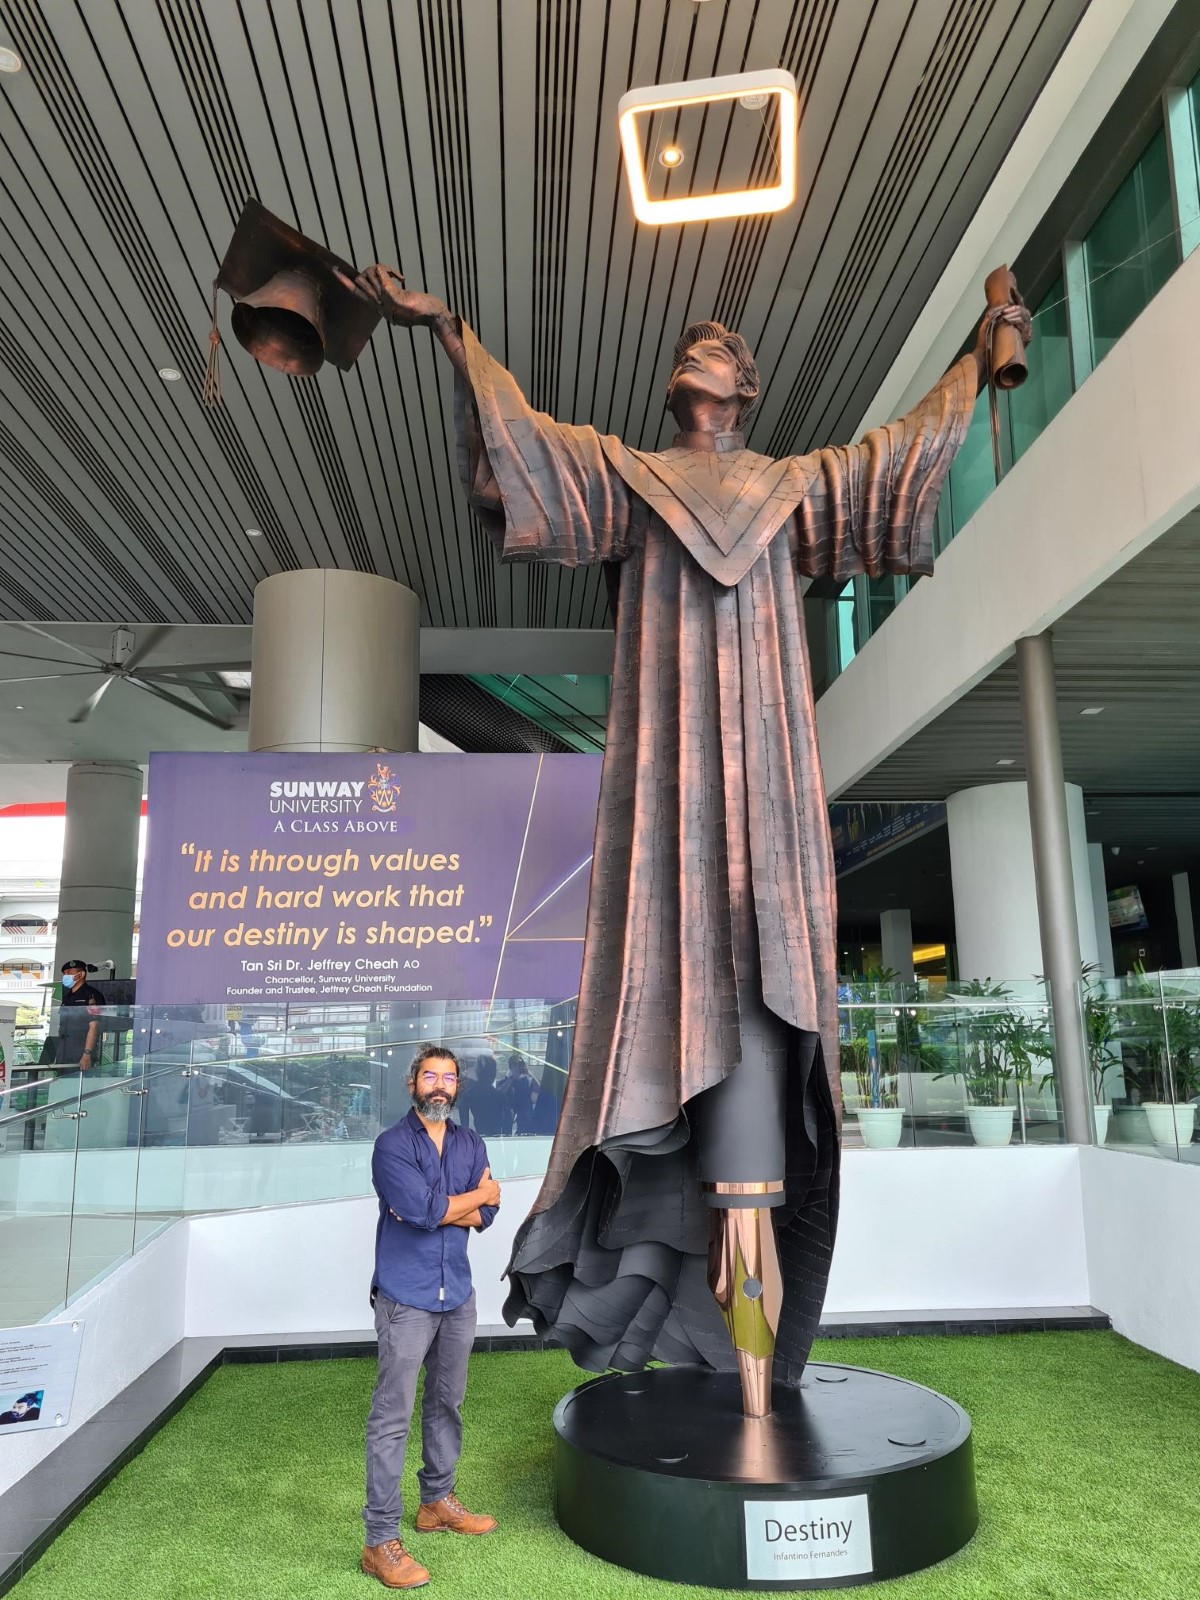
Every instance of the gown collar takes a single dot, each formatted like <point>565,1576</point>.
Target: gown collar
<point>721,442</point>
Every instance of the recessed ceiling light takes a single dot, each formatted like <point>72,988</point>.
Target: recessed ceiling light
<point>254,533</point>
<point>1091,711</point>
<point>10,61</point>
<point>170,374</point>
<point>1005,761</point>
<point>753,102</point>
<point>670,156</point>
<point>18,708</point>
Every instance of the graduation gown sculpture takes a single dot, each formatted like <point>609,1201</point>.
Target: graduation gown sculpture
<point>690,1205</point>
<point>712,892</point>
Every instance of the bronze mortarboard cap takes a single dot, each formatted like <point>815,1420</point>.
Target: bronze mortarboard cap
<point>293,309</point>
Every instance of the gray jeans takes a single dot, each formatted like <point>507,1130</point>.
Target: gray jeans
<point>409,1339</point>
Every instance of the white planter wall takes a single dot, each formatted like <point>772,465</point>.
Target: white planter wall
<point>1143,1248</point>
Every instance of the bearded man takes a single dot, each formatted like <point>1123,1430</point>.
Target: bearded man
<point>693,1184</point>
<point>433,1183</point>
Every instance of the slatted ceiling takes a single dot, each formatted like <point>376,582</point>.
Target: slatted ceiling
<point>474,145</point>
<point>473,719</point>
<point>1133,647</point>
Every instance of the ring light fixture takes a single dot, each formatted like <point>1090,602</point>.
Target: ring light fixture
<point>774,84</point>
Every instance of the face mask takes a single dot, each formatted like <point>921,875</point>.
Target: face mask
<point>68,980</point>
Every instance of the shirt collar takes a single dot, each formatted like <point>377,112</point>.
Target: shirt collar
<point>417,1126</point>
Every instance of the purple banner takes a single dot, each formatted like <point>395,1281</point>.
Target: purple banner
<point>332,877</point>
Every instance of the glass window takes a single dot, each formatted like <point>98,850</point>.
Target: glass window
<point>972,475</point>
<point>1131,250</point>
<point>884,594</point>
<point>1048,387</point>
<point>836,629</point>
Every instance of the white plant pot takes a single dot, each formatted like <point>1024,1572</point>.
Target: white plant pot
<point>880,1126</point>
<point>991,1126</point>
<point>1170,1125</point>
<point>1101,1114</point>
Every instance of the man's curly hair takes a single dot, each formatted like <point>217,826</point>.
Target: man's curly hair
<point>747,369</point>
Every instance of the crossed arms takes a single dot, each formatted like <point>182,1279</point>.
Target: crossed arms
<point>411,1197</point>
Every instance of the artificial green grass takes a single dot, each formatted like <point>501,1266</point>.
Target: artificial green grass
<point>1087,1451</point>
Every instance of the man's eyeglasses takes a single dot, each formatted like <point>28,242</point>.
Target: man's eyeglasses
<point>428,1079</point>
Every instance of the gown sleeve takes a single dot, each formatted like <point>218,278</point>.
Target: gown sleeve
<point>871,505</point>
<point>543,490</point>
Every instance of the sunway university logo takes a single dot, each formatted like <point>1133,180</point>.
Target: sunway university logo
<point>384,792</point>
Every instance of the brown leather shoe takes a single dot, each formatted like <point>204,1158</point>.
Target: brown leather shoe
<point>451,1516</point>
<point>391,1563</point>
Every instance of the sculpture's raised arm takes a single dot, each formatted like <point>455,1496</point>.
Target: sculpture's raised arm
<point>543,490</point>
<point>871,505</point>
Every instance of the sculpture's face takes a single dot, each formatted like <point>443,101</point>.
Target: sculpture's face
<point>709,372</point>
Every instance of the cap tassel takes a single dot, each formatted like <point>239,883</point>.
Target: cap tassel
<point>212,370</point>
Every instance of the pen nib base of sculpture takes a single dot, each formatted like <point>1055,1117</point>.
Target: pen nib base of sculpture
<point>747,1284</point>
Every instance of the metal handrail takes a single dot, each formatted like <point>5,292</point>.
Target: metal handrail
<point>131,1085</point>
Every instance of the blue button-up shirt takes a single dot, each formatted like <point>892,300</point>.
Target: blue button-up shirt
<point>418,1262</point>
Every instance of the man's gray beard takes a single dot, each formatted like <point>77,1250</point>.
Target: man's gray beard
<point>434,1111</point>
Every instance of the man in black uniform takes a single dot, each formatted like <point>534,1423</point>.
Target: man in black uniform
<point>79,1019</point>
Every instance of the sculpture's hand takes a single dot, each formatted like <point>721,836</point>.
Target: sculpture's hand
<point>1003,334</point>
<point>1017,316</point>
<point>385,288</point>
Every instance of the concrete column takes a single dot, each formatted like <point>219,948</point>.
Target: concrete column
<point>335,663</point>
<point>1104,949</point>
<point>1182,890</point>
<point>1062,927</point>
<point>99,870</point>
<point>995,891</point>
<point>895,929</point>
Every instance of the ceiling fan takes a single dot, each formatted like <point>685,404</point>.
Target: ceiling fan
<point>126,654</point>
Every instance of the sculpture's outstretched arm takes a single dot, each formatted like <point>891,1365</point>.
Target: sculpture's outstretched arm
<point>543,490</point>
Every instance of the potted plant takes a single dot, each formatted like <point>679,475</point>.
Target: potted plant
<point>1174,1075</point>
<point>880,1114</point>
<point>877,1105</point>
<point>1003,1047</point>
<point>1101,1029</point>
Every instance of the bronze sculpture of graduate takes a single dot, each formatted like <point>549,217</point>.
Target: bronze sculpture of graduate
<point>689,1209</point>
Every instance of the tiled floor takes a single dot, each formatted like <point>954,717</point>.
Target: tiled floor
<point>51,1255</point>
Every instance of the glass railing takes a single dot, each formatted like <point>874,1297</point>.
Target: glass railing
<point>1143,1034</point>
<point>935,1065</point>
<point>192,1109</point>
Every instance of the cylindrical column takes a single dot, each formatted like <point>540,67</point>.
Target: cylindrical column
<point>1104,948</point>
<point>896,944</point>
<point>1060,922</point>
<point>1184,921</point>
<point>996,926</point>
<point>335,663</point>
<point>99,870</point>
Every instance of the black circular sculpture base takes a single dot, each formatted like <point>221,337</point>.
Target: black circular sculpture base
<point>854,1477</point>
